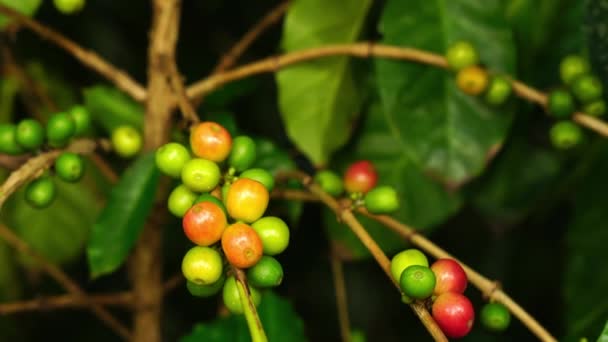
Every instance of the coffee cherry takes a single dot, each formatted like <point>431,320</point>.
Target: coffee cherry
<point>274,234</point>
<point>82,119</point>
<point>200,175</point>
<point>330,182</point>
<point>242,245</point>
<point>180,200</point>
<point>69,167</point>
<point>454,314</point>
<point>268,272</point>
<point>8,140</point>
<point>417,282</point>
<point>69,6</point>
<point>360,177</point>
<point>461,54</point>
<point>41,192</point>
<point>261,176</point>
<point>450,276</point>
<point>565,135</point>
<point>572,67</point>
<point>472,80</point>
<point>405,259</point>
<point>202,265</point>
<point>126,141</point>
<point>560,103</point>
<point>495,317</point>
<point>204,223</point>
<point>595,108</point>
<point>232,298</point>
<point>211,141</point>
<point>381,200</point>
<point>59,129</point>
<point>498,91</point>
<point>212,199</point>
<point>199,290</point>
<point>171,158</point>
<point>246,200</point>
<point>242,154</point>
<point>587,88</point>
<point>30,134</point>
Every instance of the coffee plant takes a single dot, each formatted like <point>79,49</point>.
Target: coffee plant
<point>402,172</point>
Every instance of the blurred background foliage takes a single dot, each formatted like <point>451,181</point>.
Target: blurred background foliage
<point>484,183</point>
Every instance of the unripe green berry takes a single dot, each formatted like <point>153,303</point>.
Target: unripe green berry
<point>69,167</point>
<point>595,108</point>
<point>560,103</point>
<point>199,290</point>
<point>571,67</point>
<point>41,192</point>
<point>202,265</point>
<point>8,140</point>
<point>498,91</point>
<point>60,129</point>
<point>274,234</point>
<point>126,141</point>
<point>180,200</point>
<point>565,135</point>
<point>268,272</point>
<point>461,54</point>
<point>381,200</point>
<point>330,182</point>
<point>69,6</point>
<point>82,119</point>
<point>30,134</point>
<point>405,259</point>
<point>495,317</point>
<point>587,88</point>
<point>200,175</point>
<point>243,153</point>
<point>261,176</point>
<point>171,158</point>
<point>417,282</point>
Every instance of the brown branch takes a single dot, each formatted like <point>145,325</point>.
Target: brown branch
<point>36,166</point>
<point>11,162</point>
<point>89,58</point>
<point>367,50</point>
<point>64,280</point>
<point>104,167</point>
<point>67,301</point>
<point>185,106</point>
<point>256,329</point>
<point>345,216</point>
<point>341,298</point>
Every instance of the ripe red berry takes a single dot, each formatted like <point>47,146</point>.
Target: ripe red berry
<point>361,177</point>
<point>211,141</point>
<point>204,223</point>
<point>454,314</point>
<point>450,276</point>
<point>242,246</point>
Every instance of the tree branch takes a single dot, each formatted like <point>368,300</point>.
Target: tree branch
<point>64,280</point>
<point>367,50</point>
<point>35,167</point>
<point>256,330</point>
<point>120,299</point>
<point>89,58</point>
<point>341,298</point>
<point>185,106</point>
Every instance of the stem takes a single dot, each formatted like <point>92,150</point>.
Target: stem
<point>341,299</point>
<point>89,58</point>
<point>64,280</point>
<point>367,50</point>
<point>256,330</point>
<point>66,301</point>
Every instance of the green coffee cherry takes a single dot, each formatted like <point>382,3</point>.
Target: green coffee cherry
<point>82,119</point>
<point>560,103</point>
<point>565,135</point>
<point>8,140</point>
<point>572,67</point>
<point>243,153</point>
<point>461,54</point>
<point>417,282</point>
<point>595,108</point>
<point>260,175</point>
<point>69,6</point>
<point>495,317</point>
<point>198,290</point>
<point>587,88</point>
<point>126,141</point>
<point>268,272</point>
<point>180,200</point>
<point>30,134</point>
<point>60,129</point>
<point>200,175</point>
<point>41,192</point>
<point>330,182</point>
<point>498,91</point>
<point>69,167</point>
<point>171,158</point>
<point>405,259</point>
<point>381,200</point>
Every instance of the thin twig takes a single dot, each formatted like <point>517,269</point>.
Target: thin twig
<point>256,329</point>
<point>62,278</point>
<point>341,298</point>
<point>89,58</point>
<point>186,107</point>
<point>36,166</point>
<point>66,301</point>
<point>105,168</point>
<point>346,216</point>
<point>366,50</point>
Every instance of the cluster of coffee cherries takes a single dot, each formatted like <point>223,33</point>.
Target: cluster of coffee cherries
<point>222,213</point>
<point>442,285</point>
<point>580,90</point>
<point>360,182</point>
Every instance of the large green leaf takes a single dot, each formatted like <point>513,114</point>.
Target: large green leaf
<point>604,335</point>
<point>597,31</point>
<point>319,99</point>
<point>123,217</point>
<point>278,317</point>
<point>111,108</point>
<point>27,7</point>
<point>585,283</point>
<point>447,133</point>
<point>424,203</point>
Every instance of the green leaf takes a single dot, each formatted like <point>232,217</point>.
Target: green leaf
<point>119,224</point>
<point>319,99</point>
<point>449,134</point>
<point>58,232</point>
<point>423,202</point>
<point>597,35</point>
<point>278,317</point>
<point>586,303</point>
<point>111,108</point>
<point>604,335</point>
<point>26,7</point>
